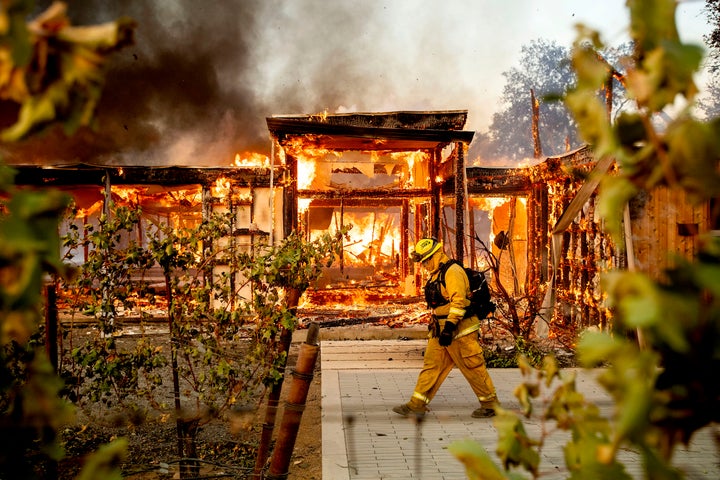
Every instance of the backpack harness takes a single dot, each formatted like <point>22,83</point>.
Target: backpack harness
<point>480,302</point>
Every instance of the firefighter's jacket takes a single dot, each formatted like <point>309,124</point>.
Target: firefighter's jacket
<point>455,291</point>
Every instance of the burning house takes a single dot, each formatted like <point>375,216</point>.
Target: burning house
<point>379,174</point>
<point>392,178</point>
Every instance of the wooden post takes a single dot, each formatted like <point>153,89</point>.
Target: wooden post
<point>51,325</point>
<point>293,298</point>
<point>460,202</point>
<point>295,405</point>
<point>404,233</point>
<point>434,227</point>
<point>290,219</point>
<point>536,124</point>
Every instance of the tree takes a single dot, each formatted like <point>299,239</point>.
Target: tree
<point>545,70</point>
<point>712,39</point>
<point>546,73</point>
<point>709,105</point>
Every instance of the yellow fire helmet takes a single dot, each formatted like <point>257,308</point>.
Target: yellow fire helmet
<point>425,248</point>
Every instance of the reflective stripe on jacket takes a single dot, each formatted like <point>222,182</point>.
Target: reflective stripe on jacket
<point>456,290</point>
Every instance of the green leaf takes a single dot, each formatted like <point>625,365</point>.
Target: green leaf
<point>591,116</point>
<point>514,447</point>
<point>615,192</point>
<point>550,369</point>
<point>522,393</point>
<point>478,464</point>
<point>105,463</point>
<point>690,144</point>
<point>595,348</point>
<point>652,22</point>
<point>707,276</point>
<point>636,296</point>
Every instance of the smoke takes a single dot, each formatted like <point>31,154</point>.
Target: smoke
<point>201,78</point>
<point>183,94</point>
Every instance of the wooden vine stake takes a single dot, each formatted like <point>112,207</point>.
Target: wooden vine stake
<point>295,405</point>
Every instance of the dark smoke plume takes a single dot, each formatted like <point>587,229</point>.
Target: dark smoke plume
<point>179,95</point>
<point>202,77</point>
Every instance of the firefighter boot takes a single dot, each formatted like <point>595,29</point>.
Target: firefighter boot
<point>486,410</point>
<point>412,407</point>
<point>483,412</point>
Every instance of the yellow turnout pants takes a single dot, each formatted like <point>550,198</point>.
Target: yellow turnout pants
<point>465,353</point>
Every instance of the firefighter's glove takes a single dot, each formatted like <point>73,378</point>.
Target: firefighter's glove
<point>447,334</point>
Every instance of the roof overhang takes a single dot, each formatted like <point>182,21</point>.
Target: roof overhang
<point>396,131</point>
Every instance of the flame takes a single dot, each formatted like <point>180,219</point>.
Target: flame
<point>322,116</point>
<point>251,160</point>
<point>305,146</point>
<point>306,172</point>
<point>128,194</point>
<point>373,239</point>
<point>488,203</point>
<point>86,212</point>
<point>303,204</point>
<point>191,196</point>
<point>221,188</point>
<point>411,158</point>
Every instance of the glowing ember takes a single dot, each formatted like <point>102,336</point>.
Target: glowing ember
<point>192,197</point>
<point>412,159</point>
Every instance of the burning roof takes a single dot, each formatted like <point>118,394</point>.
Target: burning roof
<point>394,131</point>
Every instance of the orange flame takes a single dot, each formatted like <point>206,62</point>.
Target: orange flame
<point>306,173</point>
<point>251,160</point>
<point>373,239</point>
<point>221,188</point>
<point>86,212</point>
<point>128,194</point>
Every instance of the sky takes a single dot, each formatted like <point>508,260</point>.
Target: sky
<point>203,76</point>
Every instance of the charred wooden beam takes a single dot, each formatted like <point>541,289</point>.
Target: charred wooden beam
<point>96,175</point>
<point>440,120</point>
<point>360,193</point>
<point>357,202</point>
<point>537,146</point>
<point>404,233</point>
<point>290,195</point>
<point>494,181</point>
<point>343,137</point>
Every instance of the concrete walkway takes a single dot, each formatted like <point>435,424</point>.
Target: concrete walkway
<point>362,438</point>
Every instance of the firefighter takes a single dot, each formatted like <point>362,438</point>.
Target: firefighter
<point>453,338</point>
